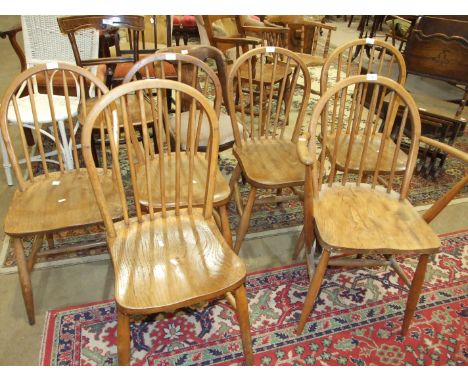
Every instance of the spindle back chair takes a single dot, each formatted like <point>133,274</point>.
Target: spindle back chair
<point>54,193</point>
<point>352,213</point>
<point>363,56</point>
<point>175,257</point>
<point>194,72</point>
<point>261,86</point>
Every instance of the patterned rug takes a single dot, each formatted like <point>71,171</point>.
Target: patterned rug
<point>357,321</point>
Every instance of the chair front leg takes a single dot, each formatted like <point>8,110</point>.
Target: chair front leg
<point>123,338</point>
<point>314,289</point>
<point>245,219</point>
<point>244,323</point>
<point>25,279</point>
<point>415,292</point>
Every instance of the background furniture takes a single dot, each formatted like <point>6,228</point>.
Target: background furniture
<point>438,49</point>
<point>349,216</point>
<point>185,27</point>
<point>49,188</point>
<point>177,257</point>
<point>261,87</point>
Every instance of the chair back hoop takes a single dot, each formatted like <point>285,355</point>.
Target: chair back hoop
<point>376,54</point>
<point>166,175</point>
<point>261,87</point>
<point>44,42</point>
<point>188,74</point>
<point>368,140</point>
<point>50,116</point>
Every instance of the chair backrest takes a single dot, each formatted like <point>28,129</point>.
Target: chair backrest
<point>314,38</point>
<point>363,56</point>
<point>269,36</point>
<point>439,56</point>
<point>189,70</point>
<point>158,30</point>
<point>261,91</point>
<point>207,54</point>
<point>334,130</point>
<point>44,42</point>
<point>72,25</point>
<point>24,106</point>
<point>169,164</point>
<point>222,26</point>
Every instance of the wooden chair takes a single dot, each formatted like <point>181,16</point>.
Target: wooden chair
<point>354,214</point>
<point>260,97</point>
<point>398,33</point>
<point>117,66</point>
<point>50,197</point>
<point>210,54</point>
<point>438,49</point>
<point>194,72</point>
<point>176,257</point>
<point>44,43</point>
<point>313,41</point>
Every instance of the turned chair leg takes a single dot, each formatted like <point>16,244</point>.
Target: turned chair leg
<point>245,219</point>
<point>234,185</point>
<point>123,338</point>
<point>25,279</point>
<point>415,292</point>
<point>242,309</point>
<point>314,289</point>
<point>299,245</point>
<point>225,228</point>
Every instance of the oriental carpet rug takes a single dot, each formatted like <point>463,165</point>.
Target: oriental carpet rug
<point>356,321</point>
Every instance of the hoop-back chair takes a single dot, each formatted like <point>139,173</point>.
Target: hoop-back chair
<point>194,72</point>
<point>362,56</point>
<point>44,43</point>
<point>260,98</point>
<point>353,213</point>
<point>176,257</point>
<point>51,197</point>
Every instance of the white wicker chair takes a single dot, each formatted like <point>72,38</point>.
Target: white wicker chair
<point>45,44</point>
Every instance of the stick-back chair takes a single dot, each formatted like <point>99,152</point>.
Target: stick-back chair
<point>362,56</point>
<point>194,72</point>
<point>270,106</point>
<point>176,257</point>
<point>51,196</point>
<point>353,213</point>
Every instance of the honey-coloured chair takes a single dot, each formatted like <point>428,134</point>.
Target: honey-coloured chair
<point>362,56</point>
<point>175,257</point>
<point>260,98</point>
<point>51,197</point>
<point>353,213</point>
<point>194,72</point>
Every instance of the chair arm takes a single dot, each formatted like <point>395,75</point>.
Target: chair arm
<point>238,40</point>
<point>318,24</point>
<point>11,34</point>
<point>303,152</point>
<point>275,29</point>
<point>444,147</point>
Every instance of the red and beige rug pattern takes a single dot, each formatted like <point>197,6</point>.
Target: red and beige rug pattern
<point>356,321</point>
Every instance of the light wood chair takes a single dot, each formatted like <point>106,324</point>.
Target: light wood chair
<point>51,197</point>
<point>353,213</point>
<point>175,257</point>
<point>194,72</point>
<point>362,56</point>
<point>260,97</point>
